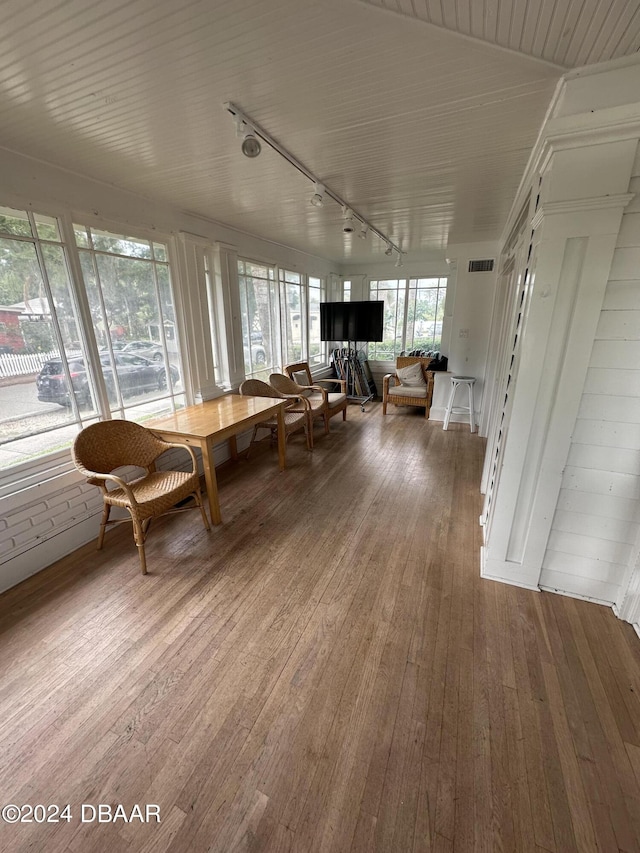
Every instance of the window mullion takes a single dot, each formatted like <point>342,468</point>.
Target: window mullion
<point>85,318</point>
<point>405,319</point>
<point>53,313</point>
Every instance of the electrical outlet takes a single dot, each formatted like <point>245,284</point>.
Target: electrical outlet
<point>463,333</point>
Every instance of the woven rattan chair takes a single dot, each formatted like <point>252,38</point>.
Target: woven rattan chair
<point>295,415</point>
<point>105,447</point>
<point>393,391</point>
<point>324,404</point>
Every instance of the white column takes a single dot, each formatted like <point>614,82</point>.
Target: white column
<point>583,196</point>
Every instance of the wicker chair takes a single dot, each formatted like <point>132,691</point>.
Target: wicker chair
<point>323,403</point>
<point>105,447</point>
<point>404,395</point>
<point>295,416</point>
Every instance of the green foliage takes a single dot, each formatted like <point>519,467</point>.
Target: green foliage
<point>39,335</point>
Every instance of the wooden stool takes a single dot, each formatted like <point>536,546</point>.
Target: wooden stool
<point>469,381</point>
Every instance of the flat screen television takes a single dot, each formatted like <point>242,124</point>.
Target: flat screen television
<point>351,321</point>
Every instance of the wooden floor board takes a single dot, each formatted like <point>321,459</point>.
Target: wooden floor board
<point>325,671</point>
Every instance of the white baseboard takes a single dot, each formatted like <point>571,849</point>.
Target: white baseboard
<point>577,595</point>
<point>18,569</point>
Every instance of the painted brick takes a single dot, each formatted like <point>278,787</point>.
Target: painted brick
<point>6,546</point>
<point>34,535</point>
<point>16,529</point>
<point>26,513</point>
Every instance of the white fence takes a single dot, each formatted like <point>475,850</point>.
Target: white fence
<point>13,364</point>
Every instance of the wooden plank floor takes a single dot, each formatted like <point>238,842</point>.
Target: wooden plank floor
<point>324,672</point>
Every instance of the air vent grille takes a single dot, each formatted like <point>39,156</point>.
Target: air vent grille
<point>481,266</point>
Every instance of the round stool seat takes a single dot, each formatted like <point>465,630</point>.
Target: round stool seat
<point>456,382</point>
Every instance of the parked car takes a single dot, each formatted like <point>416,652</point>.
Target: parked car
<point>135,373</point>
<point>258,354</point>
<point>148,349</point>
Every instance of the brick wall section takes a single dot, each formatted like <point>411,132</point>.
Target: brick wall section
<point>53,517</point>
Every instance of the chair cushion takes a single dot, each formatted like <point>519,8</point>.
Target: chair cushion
<point>408,391</point>
<point>335,399</point>
<point>411,375</point>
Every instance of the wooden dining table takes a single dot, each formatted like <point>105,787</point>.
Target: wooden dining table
<point>206,424</point>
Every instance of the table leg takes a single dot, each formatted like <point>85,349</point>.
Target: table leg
<point>233,448</point>
<point>208,462</point>
<point>282,440</point>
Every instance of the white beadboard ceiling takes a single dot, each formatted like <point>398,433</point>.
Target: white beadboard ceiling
<point>424,132</point>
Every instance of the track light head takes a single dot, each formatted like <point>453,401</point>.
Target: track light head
<point>250,145</point>
<point>348,225</point>
<point>362,234</point>
<point>317,199</point>
<point>388,250</point>
<point>399,260</point>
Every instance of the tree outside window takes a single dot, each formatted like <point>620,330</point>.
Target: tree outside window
<point>413,315</point>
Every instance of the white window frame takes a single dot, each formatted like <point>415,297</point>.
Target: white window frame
<point>277,307</point>
<point>404,286</point>
<point>56,463</point>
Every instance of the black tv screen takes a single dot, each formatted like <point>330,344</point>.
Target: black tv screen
<point>351,321</point>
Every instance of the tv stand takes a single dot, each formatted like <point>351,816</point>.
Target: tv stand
<point>360,388</point>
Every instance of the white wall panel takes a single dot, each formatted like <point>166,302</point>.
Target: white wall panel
<point>618,354</point>
<point>629,236</point>
<point>582,566</point>
<point>616,459</point>
<point>618,325</point>
<point>622,294</point>
<point>601,483</point>
<point>608,407</point>
<point>618,383</point>
<point>607,506</point>
<point>608,433</point>
<point>597,519</point>
<point>582,524</point>
<point>594,548</point>
<point>626,263</point>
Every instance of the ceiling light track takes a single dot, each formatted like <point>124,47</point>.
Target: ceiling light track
<point>321,190</point>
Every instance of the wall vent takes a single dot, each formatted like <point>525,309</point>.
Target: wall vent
<point>481,266</point>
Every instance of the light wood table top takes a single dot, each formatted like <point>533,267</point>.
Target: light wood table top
<point>213,421</point>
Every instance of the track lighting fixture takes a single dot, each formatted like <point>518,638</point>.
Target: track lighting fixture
<point>348,225</point>
<point>317,199</point>
<point>399,260</point>
<point>253,137</point>
<point>250,145</point>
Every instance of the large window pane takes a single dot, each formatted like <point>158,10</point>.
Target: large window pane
<point>280,319</point>
<point>316,346</point>
<point>392,293</point>
<point>43,395</point>
<point>294,317</point>
<point>258,300</point>
<point>413,315</point>
<point>426,314</point>
<point>129,290</point>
